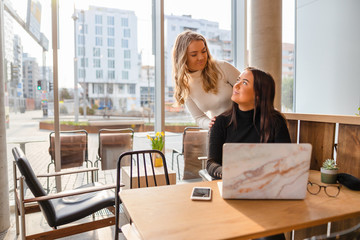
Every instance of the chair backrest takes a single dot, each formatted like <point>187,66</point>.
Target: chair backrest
<point>34,185</point>
<point>73,148</point>
<point>113,142</point>
<point>141,171</point>
<point>195,144</point>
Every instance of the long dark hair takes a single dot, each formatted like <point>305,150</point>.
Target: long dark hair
<point>264,88</point>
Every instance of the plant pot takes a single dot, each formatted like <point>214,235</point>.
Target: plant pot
<point>329,176</point>
<point>157,160</point>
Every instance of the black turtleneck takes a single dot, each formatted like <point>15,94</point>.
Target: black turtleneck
<point>245,132</point>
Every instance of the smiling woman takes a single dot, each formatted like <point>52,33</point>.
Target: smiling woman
<point>202,83</point>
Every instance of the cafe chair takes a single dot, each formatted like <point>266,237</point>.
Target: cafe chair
<point>348,234</point>
<point>73,150</point>
<point>62,208</point>
<point>113,142</point>
<point>195,144</point>
<point>141,174</point>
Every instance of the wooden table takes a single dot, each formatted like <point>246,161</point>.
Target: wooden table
<point>168,213</point>
<point>159,175</point>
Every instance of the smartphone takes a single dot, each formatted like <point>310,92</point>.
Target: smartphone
<point>201,193</point>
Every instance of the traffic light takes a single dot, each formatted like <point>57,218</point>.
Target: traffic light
<point>39,85</point>
<point>50,86</point>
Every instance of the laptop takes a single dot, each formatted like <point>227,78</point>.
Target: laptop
<point>265,171</point>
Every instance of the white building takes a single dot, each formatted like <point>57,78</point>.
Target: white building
<point>31,74</point>
<point>219,42</point>
<point>107,52</point>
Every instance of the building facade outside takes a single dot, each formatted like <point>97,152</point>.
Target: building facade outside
<point>108,62</point>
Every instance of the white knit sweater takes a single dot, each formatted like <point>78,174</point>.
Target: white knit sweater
<point>202,105</point>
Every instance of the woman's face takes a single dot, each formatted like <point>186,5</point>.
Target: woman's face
<point>196,56</point>
<point>243,91</point>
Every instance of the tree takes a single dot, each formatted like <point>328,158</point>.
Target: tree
<point>64,94</point>
<point>287,92</point>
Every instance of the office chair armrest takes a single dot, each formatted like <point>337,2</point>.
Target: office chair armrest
<point>72,193</point>
<point>205,175</point>
<point>68,172</point>
<point>176,151</point>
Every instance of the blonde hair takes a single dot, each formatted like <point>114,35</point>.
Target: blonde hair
<point>180,72</point>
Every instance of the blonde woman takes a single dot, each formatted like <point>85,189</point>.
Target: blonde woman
<point>203,84</point>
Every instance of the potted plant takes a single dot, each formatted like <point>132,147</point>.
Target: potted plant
<point>329,171</point>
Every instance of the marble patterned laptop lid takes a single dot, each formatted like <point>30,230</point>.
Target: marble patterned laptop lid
<point>265,171</point>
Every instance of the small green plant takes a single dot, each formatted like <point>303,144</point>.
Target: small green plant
<point>330,164</point>
<point>157,142</point>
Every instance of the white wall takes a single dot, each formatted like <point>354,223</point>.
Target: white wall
<point>328,57</point>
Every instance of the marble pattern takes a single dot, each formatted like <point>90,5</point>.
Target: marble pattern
<point>265,171</point>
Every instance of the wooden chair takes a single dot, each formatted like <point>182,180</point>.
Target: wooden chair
<point>73,150</point>
<point>142,168</point>
<point>112,143</point>
<point>61,208</point>
<point>195,145</point>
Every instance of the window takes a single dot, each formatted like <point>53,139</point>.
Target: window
<point>110,20</point>
<point>121,88</point>
<point>98,30</point>
<point>111,52</point>
<point>111,63</point>
<point>173,28</point>
<point>96,52</point>
<point>82,73</point>
<point>124,22</point>
<point>98,41</point>
<point>111,74</point>
<point>84,62</point>
<point>125,75</point>
<point>110,88</point>
<point>83,27</point>
<point>81,40</point>
<point>98,19</point>
<point>98,88</point>
<point>99,74</point>
<point>127,53</point>
<point>81,51</point>
<point>131,88</point>
<point>97,63</point>
<point>124,43</point>
<point>111,31</point>
<point>127,32</point>
<point>127,64</point>
<point>110,42</point>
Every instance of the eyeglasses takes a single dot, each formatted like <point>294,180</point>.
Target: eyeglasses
<point>330,190</point>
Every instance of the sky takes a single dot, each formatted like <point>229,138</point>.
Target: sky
<point>199,9</point>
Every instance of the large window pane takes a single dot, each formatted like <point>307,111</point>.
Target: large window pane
<point>214,24</point>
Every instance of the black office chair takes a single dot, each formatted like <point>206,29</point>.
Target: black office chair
<point>348,234</point>
<point>141,172</point>
<point>60,208</point>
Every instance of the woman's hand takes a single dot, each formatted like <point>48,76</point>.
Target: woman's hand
<point>212,122</point>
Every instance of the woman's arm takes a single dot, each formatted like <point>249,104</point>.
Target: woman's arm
<point>200,117</point>
<point>216,140</point>
<point>231,73</point>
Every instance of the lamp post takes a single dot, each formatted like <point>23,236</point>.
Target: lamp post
<point>76,99</point>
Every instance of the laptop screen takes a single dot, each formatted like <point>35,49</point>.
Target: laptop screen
<point>265,171</point>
